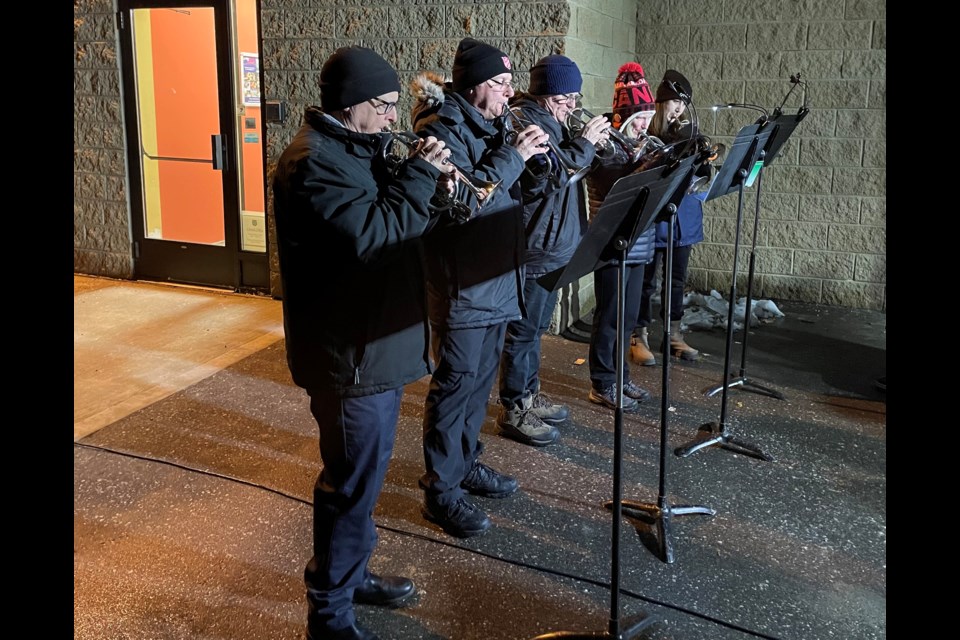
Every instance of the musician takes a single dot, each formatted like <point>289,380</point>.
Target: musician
<point>554,220</point>
<point>474,279</point>
<point>354,316</point>
<point>671,125</point>
<point>631,95</point>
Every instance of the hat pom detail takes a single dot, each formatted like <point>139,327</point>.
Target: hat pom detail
<point>631,67</point>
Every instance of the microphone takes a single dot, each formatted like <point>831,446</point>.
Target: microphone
<point>740,105</point>
<point>679,91</point>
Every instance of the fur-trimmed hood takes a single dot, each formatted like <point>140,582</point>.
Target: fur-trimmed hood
<point>429,92</point>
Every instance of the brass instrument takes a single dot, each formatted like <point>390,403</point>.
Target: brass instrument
<point>543,168</point>
<point>632,147</point>
<point>442,199</point>
<point>649,142</point>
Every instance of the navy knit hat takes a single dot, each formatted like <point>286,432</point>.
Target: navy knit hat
<point>477,62</point>
<point>555,75</point>
<point>674,87</point>
<point>354,74</point>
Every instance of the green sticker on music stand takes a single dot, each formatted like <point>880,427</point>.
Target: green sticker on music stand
<point>754,173</point>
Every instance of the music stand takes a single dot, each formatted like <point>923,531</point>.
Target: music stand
<point>661,511</point>
<point>780,127</point>
<point>627,211</point>
<point>743,163</point>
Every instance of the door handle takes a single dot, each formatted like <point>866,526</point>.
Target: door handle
<point>219,152</point>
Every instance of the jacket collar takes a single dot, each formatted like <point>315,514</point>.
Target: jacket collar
<point>360,144</point>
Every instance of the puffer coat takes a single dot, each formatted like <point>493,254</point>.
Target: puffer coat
<point>351,265</point>
<point>474,269</point>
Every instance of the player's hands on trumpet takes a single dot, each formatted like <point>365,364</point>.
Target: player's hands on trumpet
<point>530,141</point>
<point>435,152</point>
<point>596,130</point>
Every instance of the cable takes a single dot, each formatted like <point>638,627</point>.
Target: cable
<point>410,534</point>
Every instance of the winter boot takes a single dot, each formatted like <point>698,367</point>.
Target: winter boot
<point>640,349</point>
<point>523,425</point>
<point>547,410</point>
<point>679,348</point>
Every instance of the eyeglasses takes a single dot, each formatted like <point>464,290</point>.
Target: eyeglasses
<point>382,107</point>
<point>500,85</point>
<point>570,97</point>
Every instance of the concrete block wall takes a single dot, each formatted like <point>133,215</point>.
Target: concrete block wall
<point>101,220</point>
<point>602,37</point>
<point>823,218</point>
<point>421,36</point>
<point>822,231</point>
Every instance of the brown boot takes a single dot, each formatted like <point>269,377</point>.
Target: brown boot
<point>640,349</point>
<point>679,348</point>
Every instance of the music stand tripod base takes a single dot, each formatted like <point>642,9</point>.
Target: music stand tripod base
<point>631,628</point>
<point>662,516</point>
<point>724,441</point>
<point>747,385</point>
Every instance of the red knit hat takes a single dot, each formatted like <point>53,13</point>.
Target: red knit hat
<point>631,91</point>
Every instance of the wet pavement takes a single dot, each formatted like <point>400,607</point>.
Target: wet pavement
<point>192,515</point>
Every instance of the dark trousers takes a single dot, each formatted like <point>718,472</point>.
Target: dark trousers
<point>356,441</point>
<point>603,352</point>
<point>456,406</point>
<point>520,361</point>
<point>681,256</point>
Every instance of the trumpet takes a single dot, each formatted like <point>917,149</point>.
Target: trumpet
<point>648,142</point>
<point>632,147</point>
<point>543,168</point>
<point>442,200</point>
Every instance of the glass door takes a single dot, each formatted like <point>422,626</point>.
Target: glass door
<point>183,149</point>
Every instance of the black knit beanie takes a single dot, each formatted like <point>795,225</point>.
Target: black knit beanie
<point>674,87</point>
<point>354,74</point>
<point>477,62</point>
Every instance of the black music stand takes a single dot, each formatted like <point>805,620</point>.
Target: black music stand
<point>780,129</point>
<point>628,210</point>
<point>743,163</point>
<point>663,512</point>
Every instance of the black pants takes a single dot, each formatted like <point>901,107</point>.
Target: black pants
<point>603,352</point>
<point>681,256</point>
<point>356,441</point>
<point>520,362</point>
<point>456,406</point>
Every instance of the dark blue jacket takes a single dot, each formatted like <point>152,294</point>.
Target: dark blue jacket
<point>354,306</point>
<point>474,270</point>
<point>554,218</point>
<point>689,224</point>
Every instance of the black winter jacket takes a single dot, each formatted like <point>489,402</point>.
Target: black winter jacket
<point>354,307</point>
<point>554,217</point>
<point>474,270</point>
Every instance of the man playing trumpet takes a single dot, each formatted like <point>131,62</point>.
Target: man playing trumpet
<point>473,280</point>
<point>554,221</point>
<point>354,315</point>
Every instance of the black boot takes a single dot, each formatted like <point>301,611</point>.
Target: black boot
<point>384,591</point>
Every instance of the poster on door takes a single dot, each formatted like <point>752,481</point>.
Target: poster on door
<point>250,73</point>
